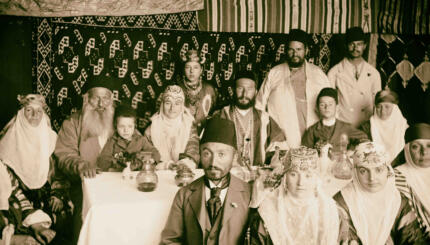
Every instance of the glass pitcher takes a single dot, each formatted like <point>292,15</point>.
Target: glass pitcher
<point>342,168</point>
<point>147,179</point>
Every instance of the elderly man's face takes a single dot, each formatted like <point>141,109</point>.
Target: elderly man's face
<point>372,179</point>
<point>356,49</point>
<point>33,113</point>
<point>245,93</point>
<point>100,98</point>
<point>217,159</point>
<point>296,52</point>
<point>420,152</point>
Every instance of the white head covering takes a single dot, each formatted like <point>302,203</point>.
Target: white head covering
<point>389,132</point>
<point>373,214</point>
<point>291,220</point>
<point>418,178</point>
<point>27,149</point>
<point>170,136</point>
<point>5,187</point>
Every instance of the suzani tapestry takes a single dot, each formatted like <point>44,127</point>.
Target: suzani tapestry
<point>144,61</point>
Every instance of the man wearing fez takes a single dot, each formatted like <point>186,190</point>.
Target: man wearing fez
<point>356,80</point>
<point>214,208</point>
<point>82,137</point>
<point>256,132</point>
<point>290,90</point>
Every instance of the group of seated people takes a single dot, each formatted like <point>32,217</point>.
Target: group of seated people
<point>295,110</point>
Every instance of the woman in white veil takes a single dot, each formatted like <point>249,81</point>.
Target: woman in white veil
<point>373,212</point>
<point>297,211</point>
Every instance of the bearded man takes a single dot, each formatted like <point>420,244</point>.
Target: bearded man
<point>82,137</point>
<point>256,132</point>
<point>290,90</point>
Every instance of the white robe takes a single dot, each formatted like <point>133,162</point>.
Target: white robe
<point>276,96</point>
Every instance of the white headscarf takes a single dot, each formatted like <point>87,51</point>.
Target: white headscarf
<point>5,187</point>
<point>389,132</point>
<point>290,220</point>
<point>170,136</point>
<point>373,214</point>
<point>27,149</point>
<point>418,178</point>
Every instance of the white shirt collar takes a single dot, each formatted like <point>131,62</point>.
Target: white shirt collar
<point>329,122</point>
<point>212,185</point>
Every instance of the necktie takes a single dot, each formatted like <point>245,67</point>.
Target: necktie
<point>214,204</point>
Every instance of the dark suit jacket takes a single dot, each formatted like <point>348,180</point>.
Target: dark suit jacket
<point>188,221</point>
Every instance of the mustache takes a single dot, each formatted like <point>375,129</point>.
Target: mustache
<point>213,168</point>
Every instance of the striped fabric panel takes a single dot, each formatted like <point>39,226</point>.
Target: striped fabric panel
<point>279,16</point>
<point>403,16</point>
<point>406,190</point>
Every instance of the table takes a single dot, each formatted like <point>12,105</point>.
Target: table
<point>115,212</point>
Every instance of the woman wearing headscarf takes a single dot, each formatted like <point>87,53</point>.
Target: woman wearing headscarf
<point>297,211</point>
<point>413,176</point>
<point>172,131</point>
<point>200,96</point>
<point>27,199</point>
<point>387,125</point>
<point>372,210</point>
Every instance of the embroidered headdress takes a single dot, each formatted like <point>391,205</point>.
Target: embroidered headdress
<point>25,100</point>
<point>370,155</point>
<point>173,91</point>
<point>302,159</point>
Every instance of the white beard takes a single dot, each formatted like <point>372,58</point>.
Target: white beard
<point>95,123</point>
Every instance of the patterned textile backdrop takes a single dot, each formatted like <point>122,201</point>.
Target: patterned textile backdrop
<point>279,16</point>
<point>403,62</point>
<point>96,7</point>
<point>143,61</point>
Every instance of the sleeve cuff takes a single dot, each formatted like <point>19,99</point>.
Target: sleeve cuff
<point>37,217</point>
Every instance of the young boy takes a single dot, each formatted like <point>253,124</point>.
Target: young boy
<point>126,140</point>
<point>329,129</point>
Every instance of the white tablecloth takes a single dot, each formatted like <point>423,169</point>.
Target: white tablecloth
<point>115,212</point>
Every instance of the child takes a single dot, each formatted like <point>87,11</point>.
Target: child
<point>329,129</point>
<point>126,141</point>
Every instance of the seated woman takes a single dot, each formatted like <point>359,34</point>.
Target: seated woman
<point>172,131</point>
<point>413,176</point>
<point>200,96</point>
<point>387,125</point>
<point>297,211</point>
<point>372,210</point>
<point>26,145</point>
<point>126,141</point>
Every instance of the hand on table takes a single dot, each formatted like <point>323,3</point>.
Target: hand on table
<point>42,234</point>
<point>86,170</point>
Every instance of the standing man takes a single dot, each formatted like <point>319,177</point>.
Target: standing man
<point>256,132</point>
<point>82,137</point>
<point>214,208</point>
<point>356,80</point>
<point>290,90</point>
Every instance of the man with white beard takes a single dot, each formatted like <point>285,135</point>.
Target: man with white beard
<point>82,137</point>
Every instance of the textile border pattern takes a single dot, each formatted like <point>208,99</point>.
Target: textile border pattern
<point>144,61</point>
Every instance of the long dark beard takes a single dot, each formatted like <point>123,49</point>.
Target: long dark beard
<point>96,123</point>
<point>250,104</point>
